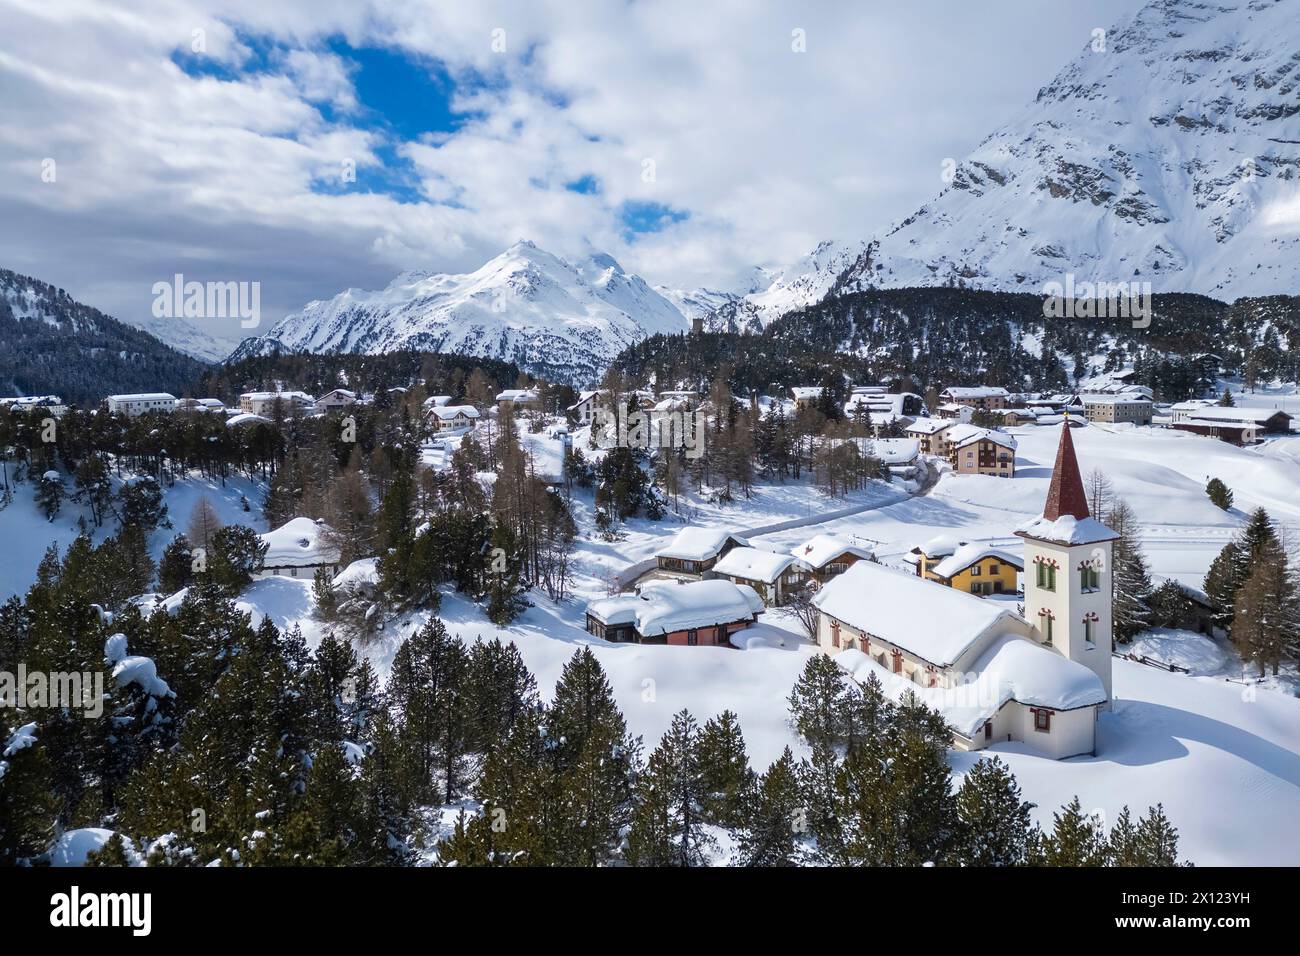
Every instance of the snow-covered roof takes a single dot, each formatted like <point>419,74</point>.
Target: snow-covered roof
<point>299,542</point>
<point>974,391</point>
<point>447,412</point>
<point>821,548</point>
<point>1012,668</point>
<point>929,426</point>
<point>517,395</point>
<point>698,544</point>
<point>754,564</point>
<point>1116,400</point>
<point>940,546</point>
<point>667,606</point>
<point>144,397</point>
<point>245,418</point>
<point>1191,404</point>
<point>896,451</point>
<point>1253,416</point>
<point>1066,529</point>
<point>271,396</point>
<point>961,435</point>
<point>968,554</point>
<point>806,392</point>
<point>363,571</point>
<point>935,623</point>
<point>434,400</point>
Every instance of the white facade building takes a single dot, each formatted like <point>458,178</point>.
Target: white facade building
<point>141,402</point>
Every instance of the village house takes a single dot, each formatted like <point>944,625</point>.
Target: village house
<point>1185,411</point>
<point>51,405</point>
<point>929,434</point>
<point>826,556</point>
<point>993,675</point>
<point>265,403</point>
<point>517,398</point>
<point>205,406</point>
<point>772,575</point>
<point>584,409</point>
<point>141,402</point>
<point>680,613</point>
<point>955,412</point>
<point>1268,421</point>
<point>694,551</point>
<point>884,407</point>
<point>979,396</point>
<point>1135,409</point>
<point>975,568</point>
<point>805,395</point>
<point>899,455</point>
<point>1010,417</point>
<point>445,418</point>
<point>335,399</point>
<point>1234,433</point>
<point>981,451</point>
<point>298,549</point>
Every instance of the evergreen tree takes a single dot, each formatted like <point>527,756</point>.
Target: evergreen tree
<point>175,570</point>
<point>994,823</point>
<point>1156,840</point>
<point>666,827</point>
<point>725,777</point>
<point>1219,493</point>
<point>112,853</point>
<point>772,834</point>
<point>1075,840</point>
<point>1130,580</point>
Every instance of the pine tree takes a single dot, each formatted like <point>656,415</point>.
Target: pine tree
<point>1075,840</point>
<point>1263,613</point>
<point>1122,848</point>
<point>822,702</point>
<point>1219,493</point>
<point>1156,840</point>
<point>726,778</point>
<point>175,570</point>
<point>1130,580</point>
<point>112,853</point>
<point>671,831</point>
<point>994,822</point>
<point>775,822</point>
<point>203,524</point>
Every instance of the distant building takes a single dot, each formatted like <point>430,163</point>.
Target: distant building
<point>956,412</point>
<point>1134,409</point>
<point>264,403</point>
<point>1234,433</point>
<point>929,434</point>
<point>141,402</point>
<point>971,567</point>
<point>298,548</point>
<point>213,406</point>
<point>584,409</point>
<point>827,556</point>
<point>681,613</point>
<point>977,396</point>
<point>805,395</point>
<point>518,398</point>
<point>772,575</point>
<point>1269,421</point>
<point>44,404</point>
<point>335,399</point>
<point>981,451</point>
<point>450,417</point>
<point>693,551</point>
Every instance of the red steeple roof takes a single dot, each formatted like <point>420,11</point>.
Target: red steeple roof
<point>1065,494</point>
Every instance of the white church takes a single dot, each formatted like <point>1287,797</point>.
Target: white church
<point>995,675</point>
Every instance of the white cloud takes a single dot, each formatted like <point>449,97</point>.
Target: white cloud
<point>768,150</point>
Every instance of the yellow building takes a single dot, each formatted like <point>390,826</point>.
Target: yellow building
<point>973,568</point>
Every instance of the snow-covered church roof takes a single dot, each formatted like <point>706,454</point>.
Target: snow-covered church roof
<point>934,622</point>
<point>1065,518</point>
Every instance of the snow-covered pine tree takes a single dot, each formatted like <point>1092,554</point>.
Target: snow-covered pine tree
<point>726,779</point>
<point>993,821</point>
<point>775,828</point>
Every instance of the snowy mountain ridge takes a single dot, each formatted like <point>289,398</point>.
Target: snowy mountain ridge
<point>562,319</point>
<point>1167,151</point>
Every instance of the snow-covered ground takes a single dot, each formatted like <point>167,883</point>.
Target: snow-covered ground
<point>1223,757</point>
<point>26,533</point>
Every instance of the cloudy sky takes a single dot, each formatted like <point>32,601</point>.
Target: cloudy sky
<point>316,145</point>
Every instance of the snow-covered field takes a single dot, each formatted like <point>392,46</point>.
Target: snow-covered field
<point>1223,758</point>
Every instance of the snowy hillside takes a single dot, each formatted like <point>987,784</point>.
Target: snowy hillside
<point>1171,155</point>
<point>802,283</point>
<point>553,317</point>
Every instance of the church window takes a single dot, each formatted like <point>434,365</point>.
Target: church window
<point>1043,721</point>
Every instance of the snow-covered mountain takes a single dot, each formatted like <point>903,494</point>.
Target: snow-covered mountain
<point>1167,151</point>
<point>802,283</point>
<point>184,336</point>
<point>565,320</point>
